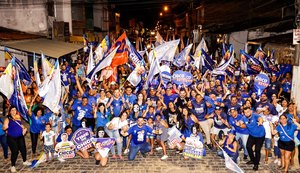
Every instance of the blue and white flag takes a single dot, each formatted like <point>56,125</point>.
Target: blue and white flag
<point>159,39</point>
<point>154,68</point>
<point>17,98</point>
<point>208,63</point>
<point>180,59</point>
<point>249,64</point>
<point>135,59</point>
<point>52,98</point>
<point>99,53</point>
<point>101,64</point>
<point>46,66</point>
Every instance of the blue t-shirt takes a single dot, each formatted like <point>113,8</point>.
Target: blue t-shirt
<point>37,124</point>
<point>170,98</point>
<point>199,110</point>
<point>238,129</point>
<point>286,86</point>
<point>80,112</point>
<point>218,123</point>
<point>139,134</point>
<point>210,101</point>
<point>252,125</point>
<point>131,99</point>
<point>1,125</point>
<point>102,119</point>
<point>289,130</point>
<point>64,77</point>
<point>117,104</point>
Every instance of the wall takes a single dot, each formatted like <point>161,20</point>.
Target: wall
<point>27,17</point>
<point>238,40</point>
<point>63,12</point>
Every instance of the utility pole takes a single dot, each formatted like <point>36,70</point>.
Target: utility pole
<point>295,93</point>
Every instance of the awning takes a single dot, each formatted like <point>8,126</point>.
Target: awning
<point>50,48</point>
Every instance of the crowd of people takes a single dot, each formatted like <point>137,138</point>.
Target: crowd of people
<point>227,111</point>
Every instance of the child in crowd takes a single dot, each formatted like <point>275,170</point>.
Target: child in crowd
<point>49,140</point>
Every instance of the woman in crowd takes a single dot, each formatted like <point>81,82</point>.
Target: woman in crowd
<point>161,132</point>
<point>15,137</point>
<point>116,103</point>
<point>101,115</point>
<point>189,121</point>
<point>37,125</point>
<point>286,143</point>
<point>112,129</point>
<point>100,158</point>
<point>230,146</point>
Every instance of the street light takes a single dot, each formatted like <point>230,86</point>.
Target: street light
<point>161,14</point>
<point>166,8</point>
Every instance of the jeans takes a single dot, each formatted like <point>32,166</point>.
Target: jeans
<point>16,145</point>
<point>244,138</point>
<point>258,142</point>
<point>144,148</point>
<point>3,141</point>
<point>34,140</point>
<point>115,134</point>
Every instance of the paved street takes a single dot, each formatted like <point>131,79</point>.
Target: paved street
<point>151,164</point>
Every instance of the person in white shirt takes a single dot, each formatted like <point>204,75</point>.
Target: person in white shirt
<point>112,129</point>
<point>267,117</point>
<point>49,140</point>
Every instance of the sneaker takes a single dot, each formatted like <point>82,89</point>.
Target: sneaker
<point>250,162</point>
<point>279,163</point>
<point>126,151</point>
<point>275,161</point>
<point>164,157</point>
<point>61,160</point>
<point>158,148</point>
<point>13,169</point>
<point>97,162</point>
<point>177,151</point>
<point>143,154</point>
<point>180,152</point>
<point>27,163</point>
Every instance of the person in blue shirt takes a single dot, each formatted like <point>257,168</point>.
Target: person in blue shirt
<point>286,142</point>
<point>137,140</point>
<point>65,78</point>
<point>287,86</point>
<point>68,130</point>
<point>116,103</point>
<point>36,126</point>
<point>230,146</point>
<point>254,123</point>
<point>259,107</point>
<point>189,121</point>
<point>3,139</point>
<point>220,124</point>
<point>101,116</point>
<point>169,96</point>
<point>241,133</point>
<point>80,111</point>
<point>129,98</point>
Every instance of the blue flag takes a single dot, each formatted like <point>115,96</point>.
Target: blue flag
<point>134,57</point>
<point>208,62</point>
<point>17,98</point>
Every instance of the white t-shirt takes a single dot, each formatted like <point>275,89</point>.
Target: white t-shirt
<point>48,137</point>
<point>117,123</point>
<point>267,127</point>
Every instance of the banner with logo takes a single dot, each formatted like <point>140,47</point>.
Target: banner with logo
<point>174,137</point>
<point>261,81</point>
<point>82,139</point>
<point>166,77</point>
<point>194,148</point>
<point>182,78</point>
<point>103,145</point>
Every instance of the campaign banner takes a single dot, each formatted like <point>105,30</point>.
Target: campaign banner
<point>65,148</point>
<point>194,148</point>
<point>103,145</point>
<point>182,78</point>
<point>166,77</point>
<point>261,81</point>
<point>174,137</point>
<point>82,139</point>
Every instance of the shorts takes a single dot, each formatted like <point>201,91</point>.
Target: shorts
<point>288,146</point>
<point>49,149</point>
<point>216,131</point>
<point>268,143</point>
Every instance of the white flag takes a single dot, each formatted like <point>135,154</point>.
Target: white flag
<point>52,97</point>
<point>230,164</point>
<point>198,53</point>
<point>91,63</point>
<point>46,66</point>
<point>154,68</point>
<point>6,82</point>
<point>165,51</point>
<point>99,52</point>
